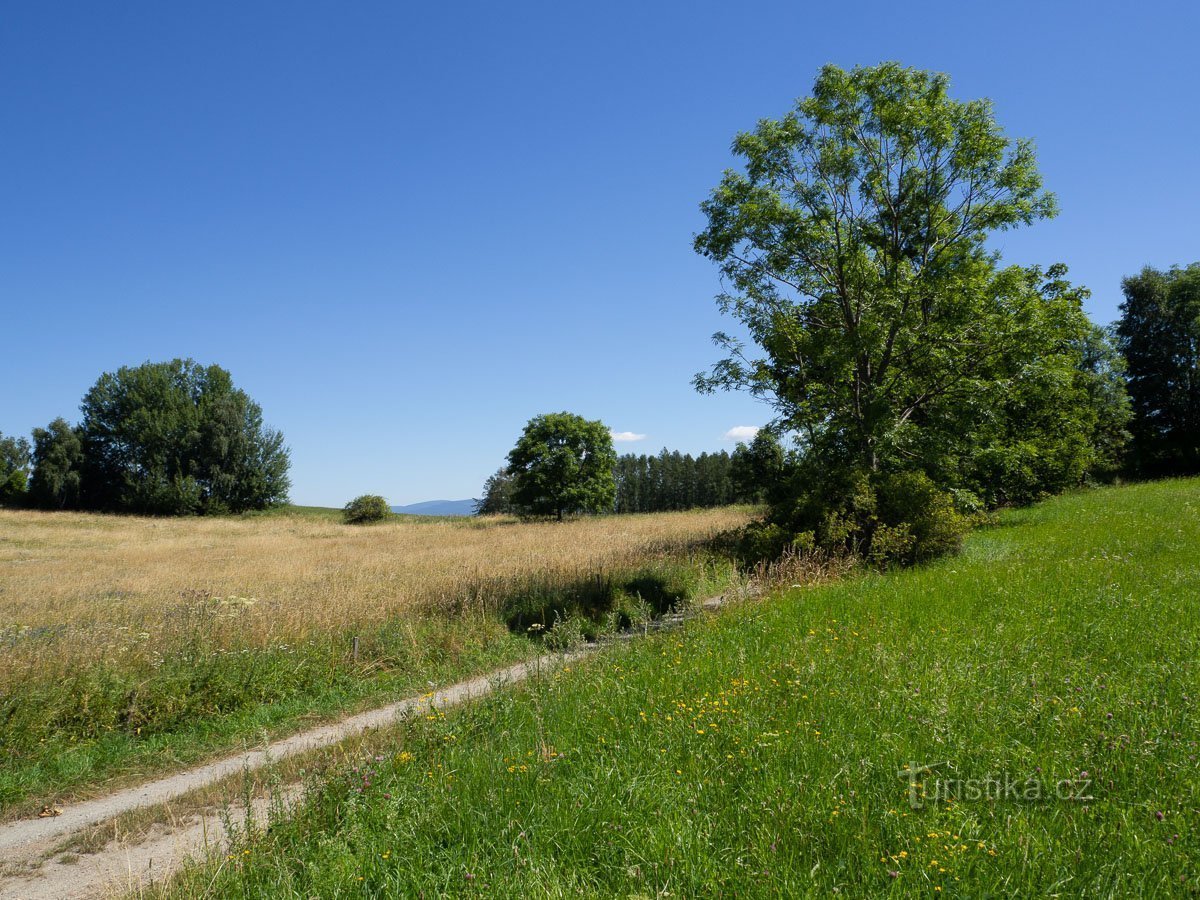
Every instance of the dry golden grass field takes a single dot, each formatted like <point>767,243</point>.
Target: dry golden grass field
<point>107,585</point>
<point>133,644</point>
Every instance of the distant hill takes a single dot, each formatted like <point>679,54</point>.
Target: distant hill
<point>438,508</point>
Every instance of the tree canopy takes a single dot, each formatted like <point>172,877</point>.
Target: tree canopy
<point>672,480</point>
<point>889,338</point>
<point>1159,336</point>
<point>497,495</point>
<point>14,469</point>
<point>758,466</point>
<point>57,466</point>
<point>562,464</point>
<point>366,508</point>
<point>174,438</point>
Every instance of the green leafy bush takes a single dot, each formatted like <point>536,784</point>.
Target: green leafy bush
<point>884,518</point>
<point>14,470</point>
<point>910,502</point>
<point>365,509</point>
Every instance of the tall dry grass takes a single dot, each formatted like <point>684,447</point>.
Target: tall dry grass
<point>130,645</point>
<point>77,588</point>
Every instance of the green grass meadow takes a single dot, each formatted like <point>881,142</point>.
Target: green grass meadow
<point>762,751</point>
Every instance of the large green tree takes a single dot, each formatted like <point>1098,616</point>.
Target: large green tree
<point>178,438</point>
<point>1159,335</point>
<point>1045,413</point>
<point>563,464</point>
<point>880,325</point>
<point>57,466</point>
<point>855,245</point>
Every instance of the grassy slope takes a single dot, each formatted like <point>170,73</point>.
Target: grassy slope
<point>758,753</point>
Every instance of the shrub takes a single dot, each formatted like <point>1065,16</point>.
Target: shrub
<point>884,518</point>
<point>366,509</point>
<point>911,502</point>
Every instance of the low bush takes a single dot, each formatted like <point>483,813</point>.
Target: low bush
<point>884,518</point>
<point>365,509</point>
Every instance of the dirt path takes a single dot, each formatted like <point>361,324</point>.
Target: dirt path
<point>26,846</point>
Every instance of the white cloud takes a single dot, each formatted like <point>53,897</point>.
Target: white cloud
<point>624,437</point>
<point>741,433</point>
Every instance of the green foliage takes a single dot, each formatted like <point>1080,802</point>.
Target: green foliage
<point>563,464</point>
<point>756,753</point>
<point>917,521</point>
<point>365,509</point>
<point>672,481</point>
<point>762,541</point>
<point>178,438</point>
<point>758,467</point>
<point>1050,416</point>
<point>497,495</point>
<point>1102,372</point>
<point>891,341</point>
<point>1159,336</point>
<point>57,466</point>
<point>855,242</point>
<point>884,518</point>
<point>616,600</point>
<point>14,470</point>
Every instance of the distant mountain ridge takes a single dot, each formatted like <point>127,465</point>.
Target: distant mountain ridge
<point>438,508</point>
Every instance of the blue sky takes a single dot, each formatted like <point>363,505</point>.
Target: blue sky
<point>406,229</point>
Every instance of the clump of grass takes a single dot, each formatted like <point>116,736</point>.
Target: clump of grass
<point>779,749</point>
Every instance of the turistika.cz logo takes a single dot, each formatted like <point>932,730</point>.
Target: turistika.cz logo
<point>930,783</point>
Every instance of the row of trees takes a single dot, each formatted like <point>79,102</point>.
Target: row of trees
<point>566,464</point>
<point>673,480</point>
<point>918,378</point>
<point>1159,337</point>
<point>172,438</point>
